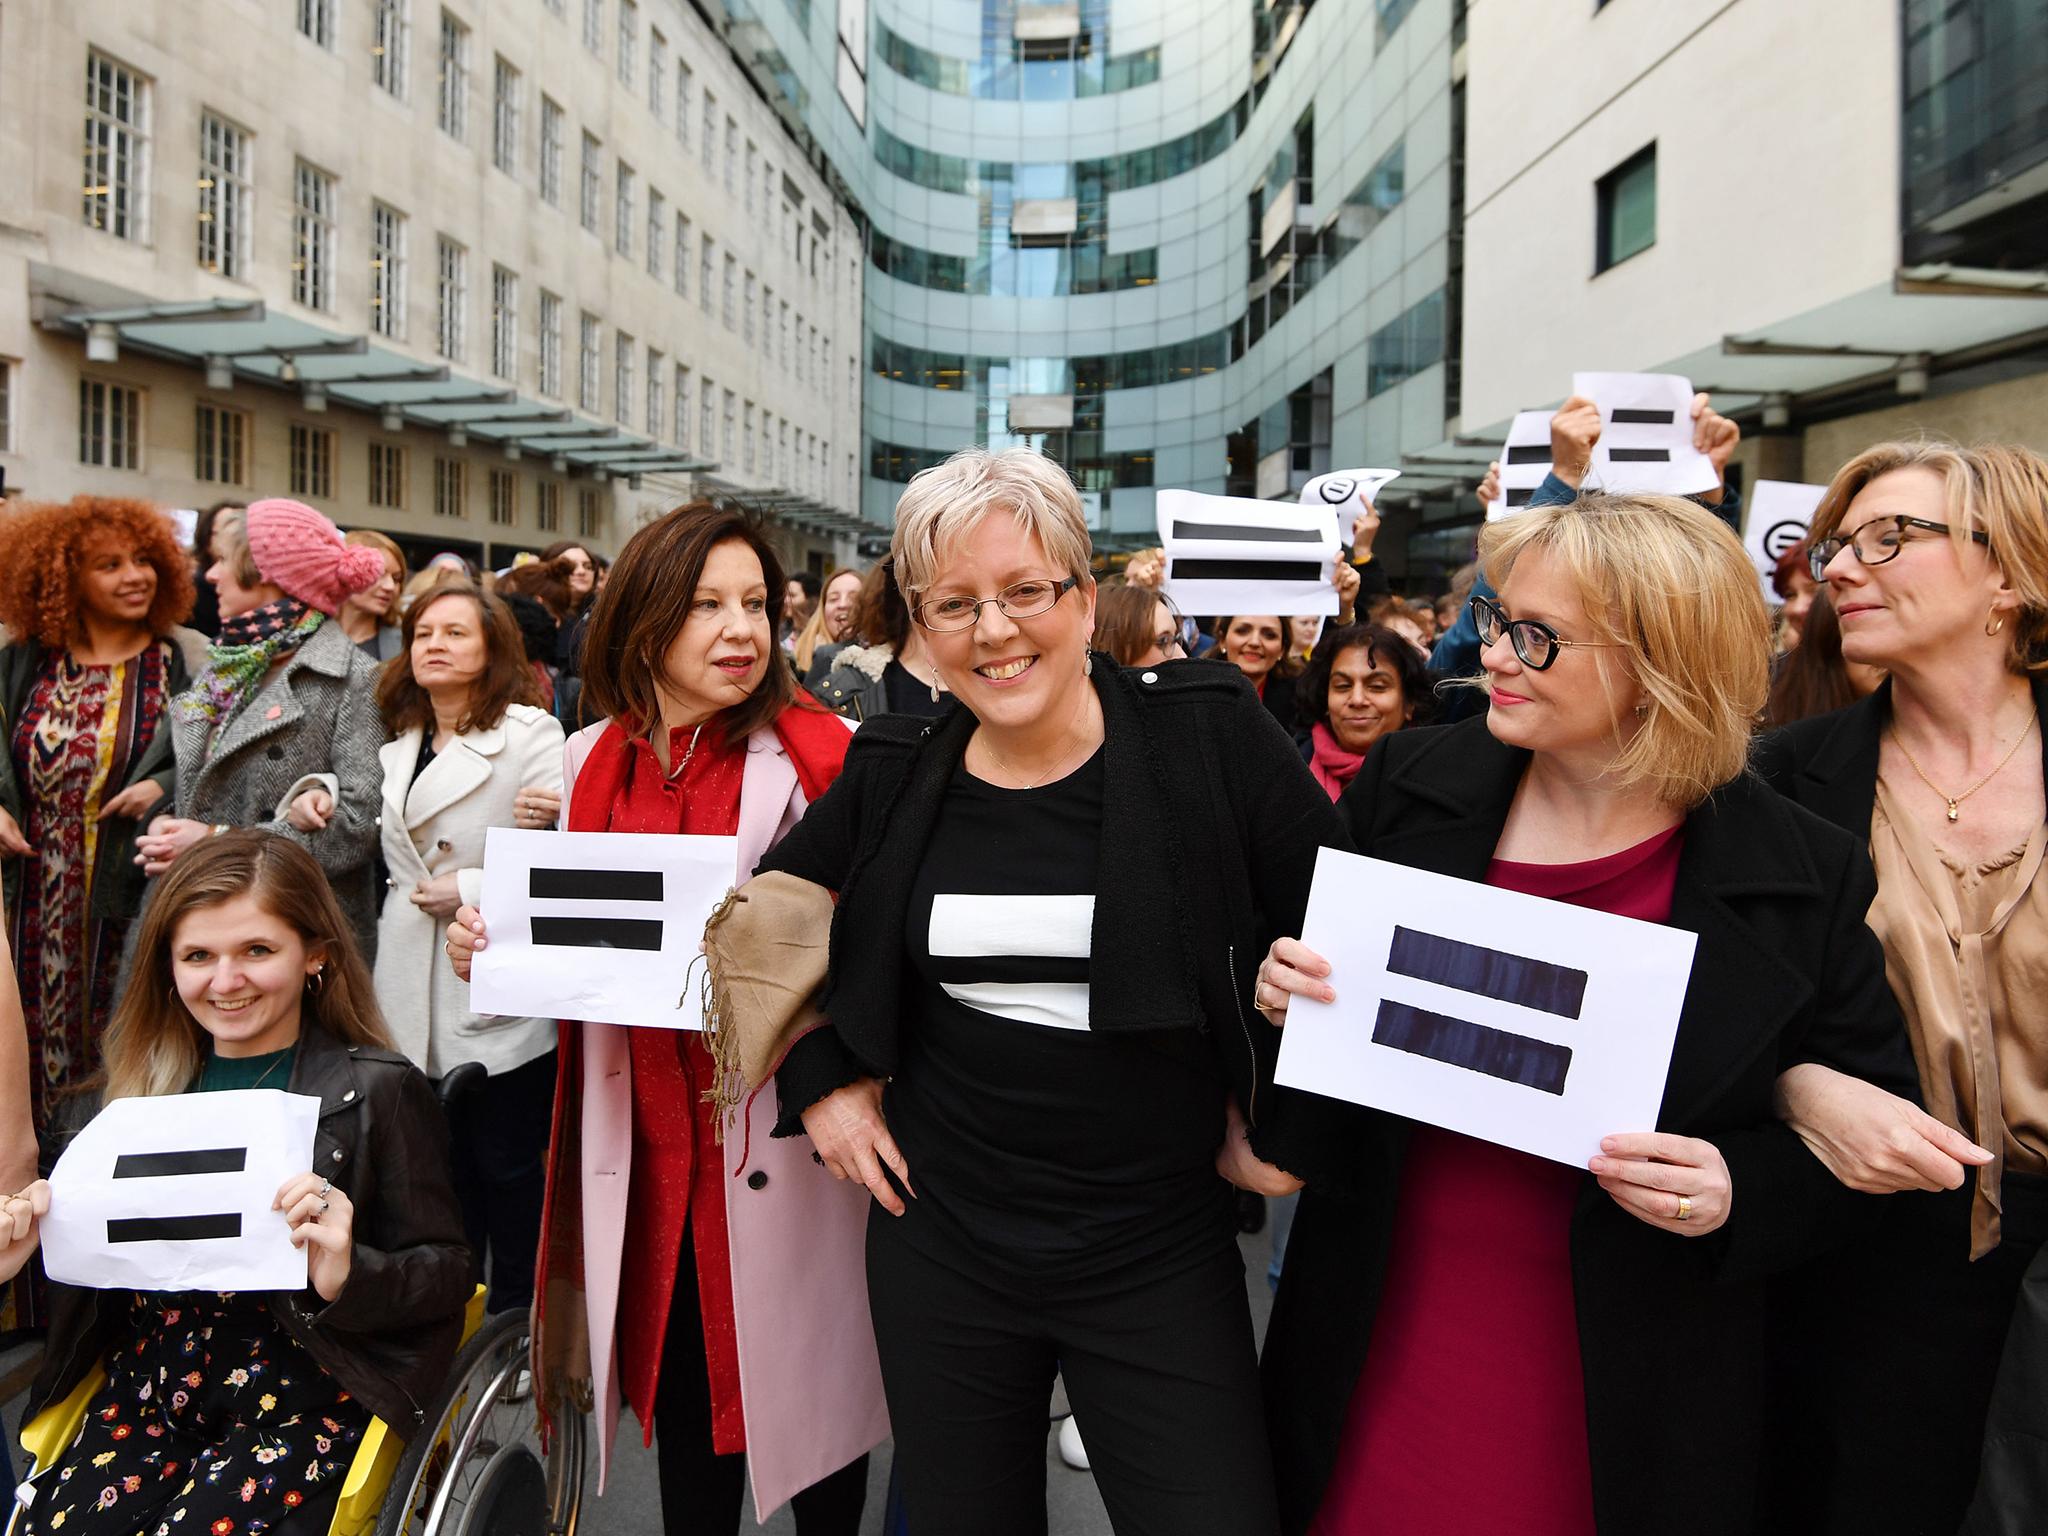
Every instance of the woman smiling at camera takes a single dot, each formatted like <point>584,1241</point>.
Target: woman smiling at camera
<point>668,1278</point>
<point>242,1412</point>
<point>1064,1034</point>
<point>1478,1340</point>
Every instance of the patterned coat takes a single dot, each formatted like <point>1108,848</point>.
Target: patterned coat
<point>313,722</point>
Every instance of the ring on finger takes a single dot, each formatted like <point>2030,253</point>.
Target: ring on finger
<point>323,1205</point>
<point>1685,1207</point>
<point>325,1186</point>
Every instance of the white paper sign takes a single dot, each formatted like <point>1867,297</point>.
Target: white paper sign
<point>173,1192</point>
<point>1645,434</point>
<point>1524,462</point>
<point>186,521</point>
<point>1531,1023</point>
<point>602,926</point>
<point>1778,516</point>
<point>1341,488</point>
<point>1233,554</point>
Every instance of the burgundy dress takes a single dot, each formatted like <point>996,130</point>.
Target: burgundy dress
<point>1469,1417</point>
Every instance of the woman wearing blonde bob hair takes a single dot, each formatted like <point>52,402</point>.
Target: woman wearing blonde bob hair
<point>1470,1339</point>
<point>1065,1034</point>
<point>1936,558</point>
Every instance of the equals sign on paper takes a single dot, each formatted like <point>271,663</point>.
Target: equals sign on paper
<point>571,931</point>
<point>1637,416</point>
<point>170,1165</point>
<point>1494,973</point>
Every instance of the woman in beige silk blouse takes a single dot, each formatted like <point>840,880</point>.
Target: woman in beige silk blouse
<point>1937,561</point>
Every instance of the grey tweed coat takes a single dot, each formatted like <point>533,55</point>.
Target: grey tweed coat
<point>314,720</point>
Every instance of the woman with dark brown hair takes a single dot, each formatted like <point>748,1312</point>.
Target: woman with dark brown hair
<point>888,670</point>
<point>469,751</point>
<point>93,593</point>
<point>1813,678</point>
<point>242,1412</point>
<point>716,1288</point>
<point>1137,625</point>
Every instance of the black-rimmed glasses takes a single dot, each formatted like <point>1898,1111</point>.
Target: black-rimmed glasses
<point>1019,600</point>
<point>1535,642</point>
<point>1876,541</point>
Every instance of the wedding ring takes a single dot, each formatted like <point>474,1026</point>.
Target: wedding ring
<point>1685,1207</point>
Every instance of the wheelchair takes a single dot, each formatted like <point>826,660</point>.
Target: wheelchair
<point>476,1466</point>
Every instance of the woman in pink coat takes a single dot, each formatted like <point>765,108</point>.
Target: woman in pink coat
<point>718,1289</point>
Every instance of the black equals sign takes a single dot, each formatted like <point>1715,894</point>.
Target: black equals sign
<point>1494,973</point>
<point>168,1165</point>
<point>596,885</point>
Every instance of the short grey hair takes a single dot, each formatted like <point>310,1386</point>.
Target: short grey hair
<point>942,503</point>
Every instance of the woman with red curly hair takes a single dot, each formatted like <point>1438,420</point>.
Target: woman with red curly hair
<point>92,593</point>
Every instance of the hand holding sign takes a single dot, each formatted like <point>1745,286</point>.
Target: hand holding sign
<point>322,1221</point>
<point>18,1234</point>
<point>176,1193</point>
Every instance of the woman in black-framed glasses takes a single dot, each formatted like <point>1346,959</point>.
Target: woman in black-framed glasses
<point>1138,625</point>
<point>1936,559</point>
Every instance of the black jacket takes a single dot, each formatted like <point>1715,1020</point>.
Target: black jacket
<point>1210,826</point>
<point>390,1337</point>
<point>1671,1329</point>
<point>1829,763</point>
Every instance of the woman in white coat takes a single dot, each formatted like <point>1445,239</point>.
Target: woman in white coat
<point>470,751</point>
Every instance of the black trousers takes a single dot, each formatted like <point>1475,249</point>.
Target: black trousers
<point>498,1138</point>
<point>1886,1352</point>
<point>1159,1367</point>
<point>701,1491</point>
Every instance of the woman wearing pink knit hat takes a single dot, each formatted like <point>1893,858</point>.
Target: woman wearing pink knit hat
<point>285,707</point>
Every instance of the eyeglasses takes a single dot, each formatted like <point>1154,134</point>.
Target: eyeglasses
<point>1168,644</point>
<point>1535,642</point>
<point>1019,600</point>
<point>1875,542</point>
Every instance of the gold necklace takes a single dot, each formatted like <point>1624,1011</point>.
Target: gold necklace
<point>1955,802</point>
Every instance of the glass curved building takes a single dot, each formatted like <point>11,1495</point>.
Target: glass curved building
<point>1193,243</point>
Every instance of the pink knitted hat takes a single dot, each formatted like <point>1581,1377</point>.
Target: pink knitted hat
<point>297,549</point>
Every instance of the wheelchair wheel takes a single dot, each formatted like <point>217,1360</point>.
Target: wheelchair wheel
<point>480,1469</point>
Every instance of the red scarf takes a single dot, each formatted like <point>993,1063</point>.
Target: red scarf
<point>815,740</point>
<point>1333,767</point>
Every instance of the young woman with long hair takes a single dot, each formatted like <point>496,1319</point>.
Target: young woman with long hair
<point>241,1412</point>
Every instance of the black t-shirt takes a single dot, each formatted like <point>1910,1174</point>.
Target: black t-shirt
<point>1040,1142</point>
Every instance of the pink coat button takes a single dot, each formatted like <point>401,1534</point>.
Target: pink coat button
<point>273,712</point>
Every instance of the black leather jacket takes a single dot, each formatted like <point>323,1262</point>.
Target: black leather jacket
<point>390,1337</point>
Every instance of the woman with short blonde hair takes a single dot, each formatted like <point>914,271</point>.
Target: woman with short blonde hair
<point>1935,558</point>
<point>1064,1033</point>
<point>370,617</point>
<point>1625,655</point>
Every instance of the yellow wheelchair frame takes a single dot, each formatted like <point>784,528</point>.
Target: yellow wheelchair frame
<point>367,1488</point>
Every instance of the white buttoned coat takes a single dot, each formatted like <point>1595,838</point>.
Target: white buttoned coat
<point>431,826</point>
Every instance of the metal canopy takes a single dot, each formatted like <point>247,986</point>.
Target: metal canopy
<point>249,344</point>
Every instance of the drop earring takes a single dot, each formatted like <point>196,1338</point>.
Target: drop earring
<point>935,690</point>
<point>1087,664</point>
<point>1997,624</point>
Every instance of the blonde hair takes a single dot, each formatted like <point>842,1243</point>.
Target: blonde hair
<point>384,544</point>
<point>154,1044</point>
<point>231,538</point>
<point>942,503</point>
<point>813,634</point>
<point>1668,583</point>
<point>1999,490</point>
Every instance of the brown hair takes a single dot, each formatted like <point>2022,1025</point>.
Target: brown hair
<point>1999,490</point>
<point>46,544</point>
<point>881,616</point>
<point>231,536</point>
<point>1812,677</point>
<point>1290,664</point>
<point>154,1045</point>
<point>1126,621</point>
<point>507,678</point>
<point>645,604</point>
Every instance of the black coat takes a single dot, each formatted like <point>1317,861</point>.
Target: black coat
<point>1210,826</point>
<point>390,1337</point>
<point>1671,1329</point>
<point>1857,1448</point>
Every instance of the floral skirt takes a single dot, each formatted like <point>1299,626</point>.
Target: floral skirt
<point>214,1422</point>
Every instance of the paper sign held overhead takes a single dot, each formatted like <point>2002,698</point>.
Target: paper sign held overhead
<point>1232,554</point>
<point>1530,1023</point>
<point>1777,517</point>
<point>173,1193</point>
<point>1346,490</point>
<point>1645,434</point>
<point>598,926</point>
<point>1524,463</point>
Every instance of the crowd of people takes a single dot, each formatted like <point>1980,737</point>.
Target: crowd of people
<point>1029,853</point>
